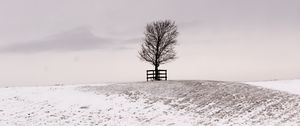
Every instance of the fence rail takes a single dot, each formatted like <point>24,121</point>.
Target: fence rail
<point>162,74</point>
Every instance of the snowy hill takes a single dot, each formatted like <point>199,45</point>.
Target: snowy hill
<point>149,103</point>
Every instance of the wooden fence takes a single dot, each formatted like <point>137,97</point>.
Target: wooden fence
<point>162,74</point>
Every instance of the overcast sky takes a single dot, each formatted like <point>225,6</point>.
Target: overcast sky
<point>93,41</point>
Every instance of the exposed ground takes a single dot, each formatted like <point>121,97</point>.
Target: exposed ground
<point>149,103</point>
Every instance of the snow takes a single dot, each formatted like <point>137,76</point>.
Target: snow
<point>66,105</point>
<point>166,103</point>
<point>291,86</point>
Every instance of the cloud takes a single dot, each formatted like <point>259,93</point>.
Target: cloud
<point>73,40</point>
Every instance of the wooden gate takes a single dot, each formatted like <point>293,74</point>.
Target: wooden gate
<point>162,74</point>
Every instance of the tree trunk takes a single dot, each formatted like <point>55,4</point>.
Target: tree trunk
<point>156,73</point>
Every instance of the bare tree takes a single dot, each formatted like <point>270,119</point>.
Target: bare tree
<point>158,44</point>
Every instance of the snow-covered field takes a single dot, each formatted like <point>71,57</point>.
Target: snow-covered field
<point>291,86</point>
<point>164,103</point>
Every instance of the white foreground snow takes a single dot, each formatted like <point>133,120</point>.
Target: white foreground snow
<point>166,103</point>
<point>291,86</point>
<point>67,106</point>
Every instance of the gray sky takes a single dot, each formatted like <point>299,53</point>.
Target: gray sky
<point>92,41</point>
